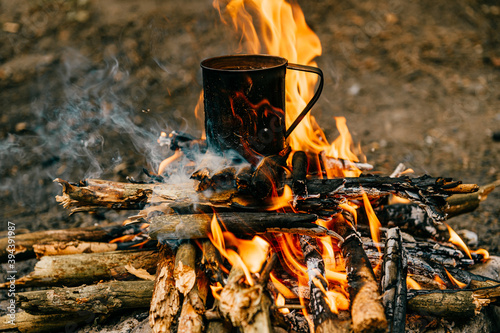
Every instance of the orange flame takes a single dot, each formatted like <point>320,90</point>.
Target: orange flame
<point>335,300</point>
<point>282,200</point>
<point>282,289</point>
<point>282,31</point>
<point>483,252</point>
<point>373,220</point>
<point>216,290</point>
<point>412,284</point>
<point>280,301</point>
<point>250,256</point>
<point>459,284</point>
<point>442,284</point>
<point>455,239</point>
<point>169,160</point>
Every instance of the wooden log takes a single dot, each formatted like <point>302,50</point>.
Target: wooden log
<point>193,307</point>
<point>24,242</point>
<point>77,247</point>
<point>98,298</point>
<point>192,226</point>
<point>26,323</point>
<point>165,303</point>
<point>451,303</point>
<point>393,281</point>
<point>367,311</point>
<point>323,318</point>
<point>299,173</point>
<point>184,270</point>
<point>269,175</point>
<point>85,268</point>
<point>211,260</point>
<point>247,307</point>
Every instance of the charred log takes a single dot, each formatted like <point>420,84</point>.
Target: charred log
<point>394,281</point>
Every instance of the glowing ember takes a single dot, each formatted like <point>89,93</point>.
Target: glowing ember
<point>455,239</point>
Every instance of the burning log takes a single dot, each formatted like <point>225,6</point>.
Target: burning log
<point>248,307</point>
<point>184,270</point>
<point>366,308</point>
<point>394,281</point>
<point>191,226</point>
<point>165,303</point>
<point>24,242</point>
<point>85,268</point>
<point>269,175</point>
<point>211,260</point>
<point>323,318</point>
<point>98,298</point>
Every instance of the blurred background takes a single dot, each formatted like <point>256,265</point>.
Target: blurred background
<point>87,86</point>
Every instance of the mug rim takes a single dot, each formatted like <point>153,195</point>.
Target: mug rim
<point>209,63</point>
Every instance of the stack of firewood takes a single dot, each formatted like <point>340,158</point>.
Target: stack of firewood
<point>173,270</point>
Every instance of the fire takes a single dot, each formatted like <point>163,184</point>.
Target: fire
<point>282,31</point>
<point>282,200</point>
<point>280,301</point>
<point>335,300</point>
<point>412,284</point>
<point>442,284</point>
<point>250,254</point>
<point>216,290</point>
<point>459,284</point>
<point>482,252</point>
<point>282,289</point>
<point>374,222</point>
<point>455,239</point>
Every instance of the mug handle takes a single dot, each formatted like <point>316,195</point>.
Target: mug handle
<point>313,100</point>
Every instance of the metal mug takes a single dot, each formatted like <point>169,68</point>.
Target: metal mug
<point>244,99</point>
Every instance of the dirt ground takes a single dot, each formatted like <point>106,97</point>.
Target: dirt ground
<point>86,87</point>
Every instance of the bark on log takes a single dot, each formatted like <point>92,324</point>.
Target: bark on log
<point>451,303</point>
<point>76,247</point>
<point>25,242</point>
<point>246,306</point>
<point>366,308</point>
<point>184,269</point>
<point>323,318</point>
<point>394,281</point>
<point>211,260</point>
<point>193,307</point>
<point>165,303</point>
<point>26,323</point>
<point>98,298</point>
<point>85,268</point>
<point>192,226</point>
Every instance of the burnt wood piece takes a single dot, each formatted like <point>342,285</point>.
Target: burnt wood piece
<point>343,164</point>
<point>453,304</point>
<point>192,226</point>
<point>187,143</point>
<point>299,173</point>
<point>323,318</point>
<point>103,298</point>
<point>428,192</point>
<point>244,179</point>
<point>24,242</point>
<point>165,303</point>
<point>269,175</point>
<point>394,270</point>
<point>184,270</point>
<point>86,268</point>
<point>366,307</point>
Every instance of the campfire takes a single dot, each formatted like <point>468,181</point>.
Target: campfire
<point>262,225</point>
